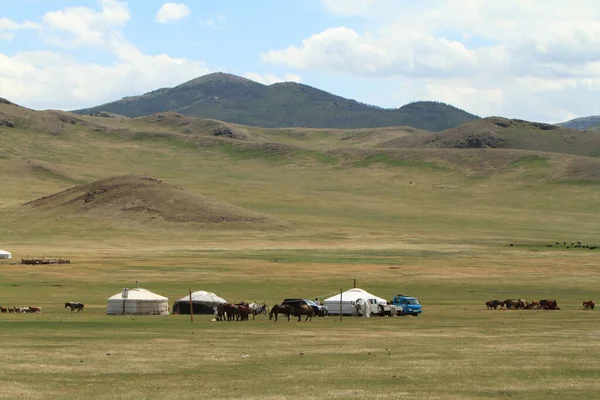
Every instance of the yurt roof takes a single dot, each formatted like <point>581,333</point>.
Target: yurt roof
<point>4,252</point>
<point>204,297</point>
<point>138,294</point>
<point>355,294</point>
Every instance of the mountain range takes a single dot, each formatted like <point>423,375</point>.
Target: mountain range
<point>231,98</point>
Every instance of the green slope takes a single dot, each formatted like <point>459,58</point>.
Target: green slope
<point>234,99</point>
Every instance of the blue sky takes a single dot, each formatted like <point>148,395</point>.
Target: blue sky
<point>535,60</point>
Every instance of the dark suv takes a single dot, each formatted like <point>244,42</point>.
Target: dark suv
<point>320,310</point>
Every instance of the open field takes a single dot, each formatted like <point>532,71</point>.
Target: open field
<point>433,223</point>
<point>456,349</point>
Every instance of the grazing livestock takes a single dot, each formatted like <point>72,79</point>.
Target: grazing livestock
<point>228,311</point>
<point>533,305</point>
<point>3,309</point>
<point>74,306</point>
<point>280,309</point>
<point>548,305</point>
<point>36,310</point>
<point>255,309</point>
<point>303,309</point>
<point>242,313</point>
<point>589,304</point>
<point>494,304</point>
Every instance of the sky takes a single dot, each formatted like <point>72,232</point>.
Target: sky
<point>537,60</point>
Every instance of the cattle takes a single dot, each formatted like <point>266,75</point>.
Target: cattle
<point>589,304</point>
<point>548,305</point>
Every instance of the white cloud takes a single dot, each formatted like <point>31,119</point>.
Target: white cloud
<point>82,26</point>
<point>217,23</point>
<point>8,26</point>
<point>514,57</point>
<point>170,12</point>
<point>56,79</point>
<point>269,79</point>
<point>47,79</point>
<point>344,50</point>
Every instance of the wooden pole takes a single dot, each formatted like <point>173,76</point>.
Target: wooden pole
<point>340,304</point>
<point>191,307</point>
<point>355,283</point>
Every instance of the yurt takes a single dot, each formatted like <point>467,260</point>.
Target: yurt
<point>353,302</point>
<point>137,301</point>
<point>202,302</point>
<point>5,255</point>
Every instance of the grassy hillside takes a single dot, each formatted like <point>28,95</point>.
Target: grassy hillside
<point>501,133</point>
<point>582,123</point>
<point>434,222</point>
<point>234,99</point>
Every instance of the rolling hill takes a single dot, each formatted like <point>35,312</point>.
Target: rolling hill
<point>143,199</point>
<point>501,133</point>
<point>235,99</point>
<point>325,182</point>
<point>582,123</point>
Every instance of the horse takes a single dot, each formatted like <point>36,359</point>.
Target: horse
<point>280,309</point>
<point>242,313</point>
<point>303,309</point>
<point>226,310</point>
<point>255,309</point>
<point>35,309</point>
<point>589,304</point>
<point>74,306</point>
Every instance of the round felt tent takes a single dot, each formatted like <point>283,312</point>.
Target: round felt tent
<point>137,301</point>
<point>5,254</point>
<point>202,302</point>
<point>349,300</point>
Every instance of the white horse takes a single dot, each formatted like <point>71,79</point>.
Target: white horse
<point>255,309</point>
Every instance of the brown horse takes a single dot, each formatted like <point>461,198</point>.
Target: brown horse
<point>589,304</point>
<point>303,309</point>
<point>242,313</point>
<point>280,309</point>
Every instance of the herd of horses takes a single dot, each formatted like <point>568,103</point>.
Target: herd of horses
<point>38,310</point>
<point>241,311</point>
<point>21,310</point>
<point>520,304</point>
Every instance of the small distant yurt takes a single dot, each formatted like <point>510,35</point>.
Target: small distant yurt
<point>137,301</point>
<point>5,255</point>
<point>202,302</point>
<point>353,302</point>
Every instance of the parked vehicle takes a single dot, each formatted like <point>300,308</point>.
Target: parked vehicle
<point>407,305</point>
<point>320,310</point>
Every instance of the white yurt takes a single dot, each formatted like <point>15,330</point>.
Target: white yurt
<point>137,301</point>
<point>353,302</point>
<point>5,255</point>
<point>202,302</point>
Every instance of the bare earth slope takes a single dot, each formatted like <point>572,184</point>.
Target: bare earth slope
<point>143,199</point>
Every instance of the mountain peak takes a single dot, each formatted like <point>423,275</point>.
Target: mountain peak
<point>218,77</point>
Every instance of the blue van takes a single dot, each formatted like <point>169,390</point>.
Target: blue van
<point>407,305</point>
